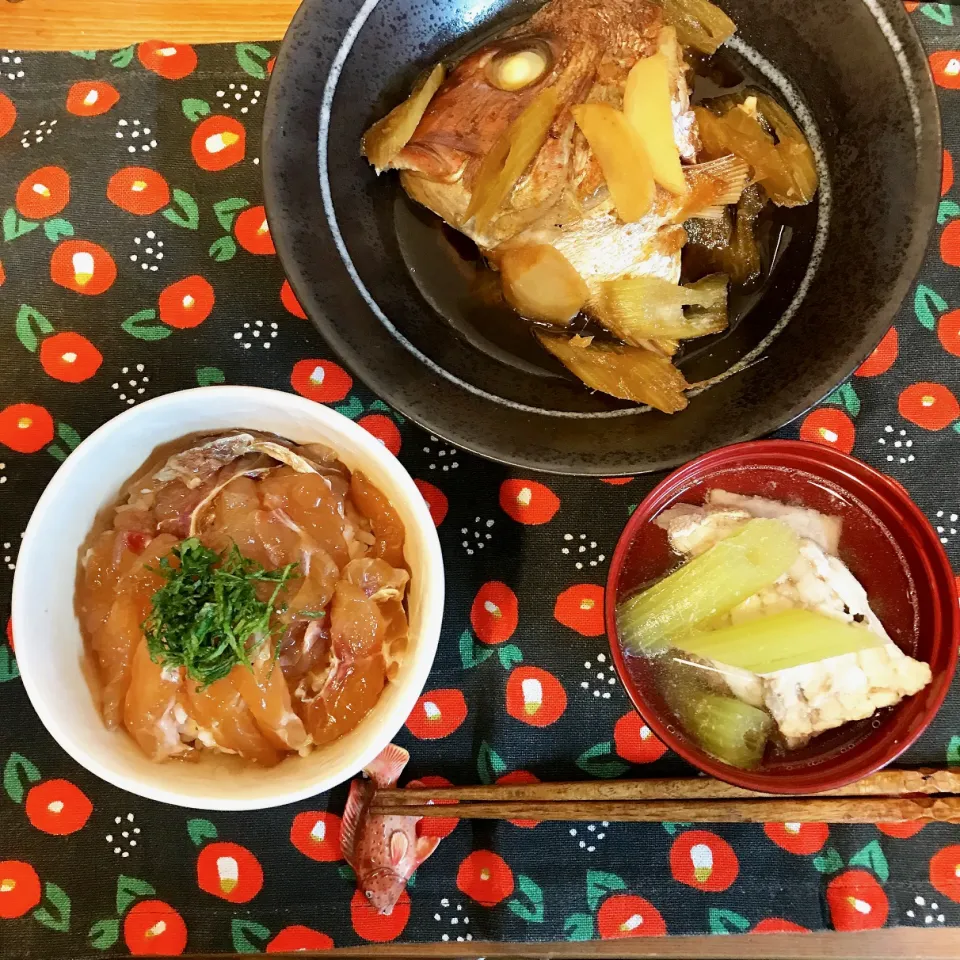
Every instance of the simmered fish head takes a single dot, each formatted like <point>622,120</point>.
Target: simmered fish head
<point>587,49</point>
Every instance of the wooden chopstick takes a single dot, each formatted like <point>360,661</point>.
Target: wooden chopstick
<point>890,795</point>
<point>789,809</point>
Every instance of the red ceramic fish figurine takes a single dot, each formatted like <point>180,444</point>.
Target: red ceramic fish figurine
<point>384,851</point>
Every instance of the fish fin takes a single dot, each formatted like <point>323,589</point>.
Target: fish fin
<point>352,812</point>
<point>385,769</point>
<point>713,184</point>
<point>399,844</point>
<point>711,213</point>
<point>425,847</point>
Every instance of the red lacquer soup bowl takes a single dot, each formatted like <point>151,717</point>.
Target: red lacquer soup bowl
<point>889,546</point>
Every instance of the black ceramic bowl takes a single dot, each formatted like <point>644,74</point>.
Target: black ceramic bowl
<point>350,245</point>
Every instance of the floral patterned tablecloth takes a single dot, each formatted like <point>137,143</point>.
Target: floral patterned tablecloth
<point>136,260</point>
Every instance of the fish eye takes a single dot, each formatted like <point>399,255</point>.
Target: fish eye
<point>519,64</point>
<point>369,894</point>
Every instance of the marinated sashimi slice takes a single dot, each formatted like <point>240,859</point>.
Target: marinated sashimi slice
<point>265,692</point>
<point>356,626</point>
<point>225,721</point>
<point>304,649</point>
<point>148,708</point>
<point>377,579</point>
<point>339,709</point>
<point>117,641</point>
<point>236,513</point>
<point>109,558</point>
<point>313,504</point>
<point>387,525</point>
<point>281,541</point>
<point>311,593</point>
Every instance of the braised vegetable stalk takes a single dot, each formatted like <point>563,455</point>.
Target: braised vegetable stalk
<point>641,308</point>
<point>780,641</point>
<point>207,617</point>
<point>699,24</point>
<point>708,586</point>
<point>630,373</point>
<point>728,729</point>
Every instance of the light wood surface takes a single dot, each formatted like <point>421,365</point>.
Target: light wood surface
<point>107,24</point>
<point>903,944</point>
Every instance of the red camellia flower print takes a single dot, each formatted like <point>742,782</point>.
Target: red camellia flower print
<point>320,380</point>
<point>437,714</point>
<point>83,267</point>
<point>527,501</point>
<point>384,429</point>
<point>186,303</point>
<point>138,190</point>
<point>856,902</point>
<point>375,927</point>
<point>799,838</point>
<point>626,915</point>
<point>704,861</point>
<point>253,232</point>
<point>535,697</point>
<point>616,481</point>
<point>316,834</point>
<point>69,357</point>
<point>153,928</point>
<point>434,826</point>
<point>436,500</point>
<point>902,831</point>
<point>580,608</point>
<point>25,427</point>
<point>946,179</point>
<point>634,740</point>
<point>945,67</point>
<point>290,302</point>
<point>520,776</point>
<point>172,61</point>
<point>948,332</point>
<point>494,613</point>
<point>58,807</point>
<point>293,938</point>
<point>19,888</point>
<point>218,142</point>
<point>43,193</point>
<point>229,871</point>
<point>945,872</point>
<point>882,357</point>
<point>928,405</point>
<point>8,114</point>
<point>950,244</point>
<point>90,98</point>
<point>831,427</point>
<point>485,877</point>
<point>778,925</point>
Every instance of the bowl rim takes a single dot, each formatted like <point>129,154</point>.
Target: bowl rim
<point>291,144</point>
<point>433,585</point>
<point>746,453</point>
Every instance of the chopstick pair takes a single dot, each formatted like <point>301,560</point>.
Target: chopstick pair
<point>888,796</point>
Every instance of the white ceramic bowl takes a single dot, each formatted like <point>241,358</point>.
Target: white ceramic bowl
<point>50,646</point>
